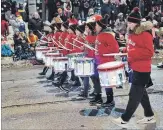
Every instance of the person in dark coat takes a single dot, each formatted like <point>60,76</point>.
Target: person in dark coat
<point>35,24</point>
<point>106,8</point>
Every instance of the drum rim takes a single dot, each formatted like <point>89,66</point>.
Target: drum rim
<point>71,54</point>
<point>42,49</point>
<point>121,65</point>
<point>49,55</point>
<point>60,58</point>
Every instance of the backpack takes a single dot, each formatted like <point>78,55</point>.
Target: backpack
<point>22,27</point>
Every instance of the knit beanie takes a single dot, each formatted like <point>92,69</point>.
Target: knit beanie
<point>65,24</point>
<point>58,26</point>
<point>73,27</point>
<point>91,25</point>
<point>81,28</point>
<point>135,16</point>
<point>103,22</point>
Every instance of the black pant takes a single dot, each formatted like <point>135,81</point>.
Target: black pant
<point>96,83</point>
<point>138,94</point>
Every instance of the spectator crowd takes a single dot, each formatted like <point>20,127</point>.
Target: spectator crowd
<point>79,11</point>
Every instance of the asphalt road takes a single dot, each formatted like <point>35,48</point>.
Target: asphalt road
<point>29,102</point>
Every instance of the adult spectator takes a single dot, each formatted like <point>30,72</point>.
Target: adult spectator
<point>67,8</point>
<point>14,7</point>
<point>141,7</point>
<point>76,5</point>
<point>52,9</point>
<point>147,7</point>
<point>59,4</point>
<point>120,24</point>
<point>4,27</point>
<point>36,24</point>
<point>106,8</point>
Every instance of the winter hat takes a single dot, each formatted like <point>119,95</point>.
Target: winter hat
<point>91,25</point>
<point>58,26</point>
<point>135,16</point>
<point>65,24</point>
<point>73,27</point>
<point>81,28</point>
<point>96,17</point>
<point>103,22</point>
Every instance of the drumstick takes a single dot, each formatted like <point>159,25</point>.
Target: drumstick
<point>42,35</point>
<point>44,41</point>
<point>85,45</point>
<point>73,45</point>
<point>60,46</point>
<point>64,46</point>
<point>115,54</point>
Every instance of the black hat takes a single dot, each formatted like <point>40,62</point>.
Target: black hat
<point>103,22</point>
<point>73,27</point>
<point>135,16</point>
<point>65,24</point>
<point>91,25</point>
<point>81,28</point>
<point>58,25</point>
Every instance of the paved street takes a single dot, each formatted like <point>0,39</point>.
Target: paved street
<point>29,102</point>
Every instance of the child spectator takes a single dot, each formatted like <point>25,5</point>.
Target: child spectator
<point>32,39</point>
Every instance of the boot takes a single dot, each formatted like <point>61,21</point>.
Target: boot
<point>44,71</point>
<point>110,102</point>
<point>96,100</point>
<point>51,77</point>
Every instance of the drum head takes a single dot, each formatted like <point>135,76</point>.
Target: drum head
<point>110,65</point>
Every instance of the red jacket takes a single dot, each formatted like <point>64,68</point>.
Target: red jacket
<point>49,37</point>
<point>56,38</point>
<point>4,27</point>
<point>67,45</point>
<point>105,44</point>
<point>91,42</point>
<point>140,51</point>
<point>63,37</point>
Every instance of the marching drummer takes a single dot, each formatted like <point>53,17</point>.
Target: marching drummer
<point>78,47</point>
<point>69,39</point>
<point>105,43</point>
<point>59,37</point>
<point>89,40</point>
<point>49,36</point>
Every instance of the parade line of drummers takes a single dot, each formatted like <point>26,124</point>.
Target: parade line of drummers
<point>89,50</point>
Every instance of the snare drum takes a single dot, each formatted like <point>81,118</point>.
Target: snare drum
<point>72,57</point>
<point>39,52</point>
<point>111,74</point>
<point>49,58</point>
<point>59,63</point>
<point>84,67</point>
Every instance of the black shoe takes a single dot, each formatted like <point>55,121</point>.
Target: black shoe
<point>51,77</point>
<point>160,66</point>
<point>42,73</point>
<point>92,94</point>
<point>108,104</point>
<point>82,94</point>
<point>96,100</point>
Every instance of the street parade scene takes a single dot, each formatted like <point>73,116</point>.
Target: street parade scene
<point>82,64</point>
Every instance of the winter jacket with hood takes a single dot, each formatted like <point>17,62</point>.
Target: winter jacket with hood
<point>140,48</point>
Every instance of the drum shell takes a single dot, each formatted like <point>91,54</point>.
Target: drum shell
<point>84,67</point>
